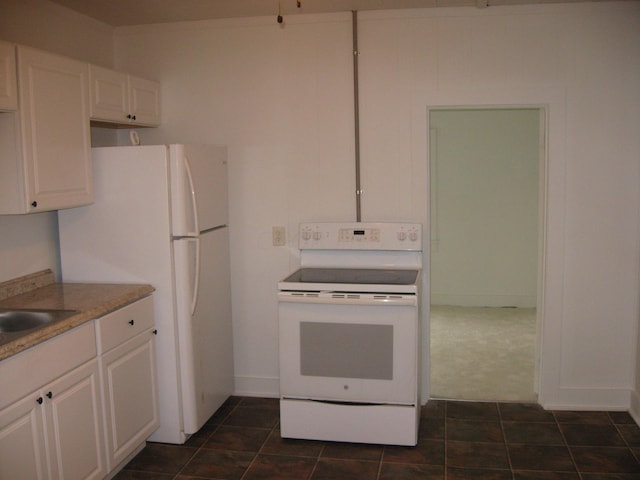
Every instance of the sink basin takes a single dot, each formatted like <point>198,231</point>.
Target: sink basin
<point>19,320</point>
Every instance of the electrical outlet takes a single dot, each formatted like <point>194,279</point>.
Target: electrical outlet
<point>278,234</point>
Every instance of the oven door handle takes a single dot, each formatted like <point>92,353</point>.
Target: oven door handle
<point>342,298</point>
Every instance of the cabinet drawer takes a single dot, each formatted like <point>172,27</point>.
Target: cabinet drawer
<point>123,324</point>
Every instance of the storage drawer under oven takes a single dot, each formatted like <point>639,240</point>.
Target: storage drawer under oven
<point>349,352</point>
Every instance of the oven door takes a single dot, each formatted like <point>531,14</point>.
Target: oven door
<point>349,347</point>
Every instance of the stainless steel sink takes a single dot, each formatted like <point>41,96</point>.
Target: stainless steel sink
<point>16,320</point>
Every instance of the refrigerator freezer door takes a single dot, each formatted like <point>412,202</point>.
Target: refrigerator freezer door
<point>205,337</point>
<point>198,177</point>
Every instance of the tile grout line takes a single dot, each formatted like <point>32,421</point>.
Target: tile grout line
<point>624,439</point>
<point>179,472</point>
<point>315,465</point>
<point>566,445</point>
<point>380,460</point>
<point>446,440</point>
<point>504,438</point>
<point>257,453</point>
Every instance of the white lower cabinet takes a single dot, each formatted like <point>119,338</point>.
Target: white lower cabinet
<point>56,432</point>
<point>73,421</point>
<point>22,444</point>
<point>132,405</point>
<point>77,406</point>
<point>126,348</point>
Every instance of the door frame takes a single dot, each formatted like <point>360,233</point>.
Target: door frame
<point>543,224</point>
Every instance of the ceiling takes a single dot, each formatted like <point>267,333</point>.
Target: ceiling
<point>139,12</point>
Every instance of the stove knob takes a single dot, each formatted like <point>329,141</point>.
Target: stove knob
<point>317,235</point>
<point>306,235</point>
<point>402,236</point>
<point>413,236</point>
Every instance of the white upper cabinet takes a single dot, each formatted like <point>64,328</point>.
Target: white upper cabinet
<point>47,103</point>
<point>45,147</point>
<point>8,85</point>
<point>123,99</point>
<point>109,95</point>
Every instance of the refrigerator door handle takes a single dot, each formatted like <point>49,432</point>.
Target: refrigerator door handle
<point>196,278</point>
<point>194,205</point>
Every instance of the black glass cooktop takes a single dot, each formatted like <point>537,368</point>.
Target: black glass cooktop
<point>363,276</point>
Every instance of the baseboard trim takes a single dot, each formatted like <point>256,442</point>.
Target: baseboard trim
<point>601,399</point>
<point>246,386</point>
<point>520,301</point>
<point>634,409</point>
<point>581,399</point>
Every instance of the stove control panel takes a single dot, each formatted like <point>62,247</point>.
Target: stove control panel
<point>361,236</point>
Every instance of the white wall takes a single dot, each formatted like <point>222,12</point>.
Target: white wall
<point>281,99</point>
<point>582,62</point>
<point>29,243</point>
<point>484,206</point>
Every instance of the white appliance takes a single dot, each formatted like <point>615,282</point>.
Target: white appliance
<point>160,217</point>
<point>349,334</point>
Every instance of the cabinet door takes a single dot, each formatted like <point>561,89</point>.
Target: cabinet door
<point>144,101</point>
<point>109,95</point>
<point>56,143</point>
<point>8,90</point>
<point>75,432</point>
<point>22,447</point>
<point>129,381</point>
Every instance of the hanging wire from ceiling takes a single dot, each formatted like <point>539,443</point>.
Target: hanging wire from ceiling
<point>279,18</point>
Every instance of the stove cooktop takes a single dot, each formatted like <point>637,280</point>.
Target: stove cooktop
<point>352,280</point>
<point>364,276</point>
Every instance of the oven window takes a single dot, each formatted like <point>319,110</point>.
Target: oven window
<point>346,350</point>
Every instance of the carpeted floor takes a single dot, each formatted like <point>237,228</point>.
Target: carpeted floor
<point>482,353</point>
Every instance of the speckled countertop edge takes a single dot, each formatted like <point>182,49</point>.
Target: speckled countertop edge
<point>39,291</point>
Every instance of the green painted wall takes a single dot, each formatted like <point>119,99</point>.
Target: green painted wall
<point>484,171</point>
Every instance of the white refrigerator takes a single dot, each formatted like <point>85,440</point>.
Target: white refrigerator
<point>160,217</point>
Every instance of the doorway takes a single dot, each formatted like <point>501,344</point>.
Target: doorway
<point>485,170</point>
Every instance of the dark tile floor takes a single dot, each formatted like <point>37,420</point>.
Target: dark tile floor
<point>458,441</point>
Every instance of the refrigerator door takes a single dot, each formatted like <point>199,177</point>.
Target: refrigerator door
<point>205,334</point>
<point>198,188</point>
<point>124,237</point>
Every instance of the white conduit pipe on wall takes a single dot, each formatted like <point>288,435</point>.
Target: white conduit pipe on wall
<point>356,112</point>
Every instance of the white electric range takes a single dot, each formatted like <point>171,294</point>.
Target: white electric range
<point>349,328</point>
